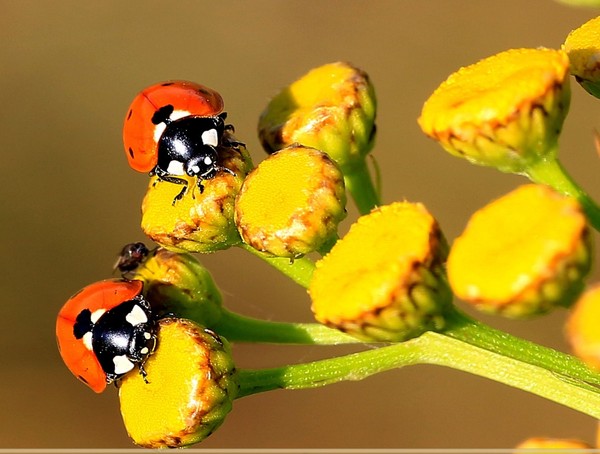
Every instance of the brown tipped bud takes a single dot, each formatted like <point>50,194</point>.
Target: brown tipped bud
<point>188,391</point>
<point>177,283</point>
<point>522,254</point>
<point>505,111</point>
<point>291,203</point>
<point>331,108</point>
<point>384,281</point>
<point>202,221</point>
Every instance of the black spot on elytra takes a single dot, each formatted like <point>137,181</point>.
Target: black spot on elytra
<point>166,84</point>
<point>83,323</point>
<point>130,150</point>
<point>130,114</point>
<point>162,115</point>
<point>82,379</point>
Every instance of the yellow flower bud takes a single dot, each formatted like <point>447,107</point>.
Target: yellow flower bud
<point>177,283</point>
<point>291,203</point>
<point>522,254</point>
<point>200,221</point>
<point>505,111</point>
<point>556,445</point>
<point>582,327</point>
<point>191,384</point>
<point>384,281</point>
<point>583,48</point>
<point>331,108</point>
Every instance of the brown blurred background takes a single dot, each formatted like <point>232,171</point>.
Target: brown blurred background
<point>69,201</point>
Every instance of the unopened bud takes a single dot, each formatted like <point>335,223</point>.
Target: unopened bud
<point>291,203</point>
<point>187,392</point>
<point>583,48</point>
<point>384,281</point>
<point>201,221</point>
<point>582,327</point>
<point>331,108</point>
<point>505,111</point>
<point>177,283</point>
<point>523,254</point>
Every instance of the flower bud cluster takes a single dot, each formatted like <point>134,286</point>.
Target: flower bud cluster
<point>392,277</point>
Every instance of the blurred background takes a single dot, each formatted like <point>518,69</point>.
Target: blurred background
<point>69,201</point>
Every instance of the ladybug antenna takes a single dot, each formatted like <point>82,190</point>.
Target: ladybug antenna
<point>163,115</point>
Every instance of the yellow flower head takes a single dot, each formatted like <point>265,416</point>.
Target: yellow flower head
<point>522,254</point>
<point>331,108</point>
<point>291,203</point>
<point>583,48</point>
<point>199,222</point>
<point>505,111</point>
<point>177,283</point>
<point>582,327</point>
<point>190,387</point>
<point>384,281</point>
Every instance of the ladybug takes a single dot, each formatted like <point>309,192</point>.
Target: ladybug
<point>132,255</point>
<point>173,129</point>
<point>105,330</point>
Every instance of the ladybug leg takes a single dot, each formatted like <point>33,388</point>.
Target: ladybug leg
<point>200,186</point>
<point>234,144</point>
<point>143,373</point>
<point>164,176</point>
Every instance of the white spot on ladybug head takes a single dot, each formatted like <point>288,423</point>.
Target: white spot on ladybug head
<point>122,364</point>
<point>95,316</point>
<point>87,340</point>
<point>136,316</point>
<point>144,351</point>
<point>147,336</point>
<point>210,137</point>
<point>175,168</point>
<point>208,160</point>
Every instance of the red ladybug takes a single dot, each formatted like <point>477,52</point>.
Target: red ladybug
<point>173,129</point>
<point>105,330</point>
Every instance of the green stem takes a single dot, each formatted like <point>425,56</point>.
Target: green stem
<point>465,329</point>
<point>238,328</point>
<point>551,172</point>
<point>299,270</point>
<point>430,348</point>
<point>360,186</point>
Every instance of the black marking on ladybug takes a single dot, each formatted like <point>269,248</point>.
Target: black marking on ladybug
<point>131,153</point>
<point>121,337</point>
<point>163,115</point>
<point>83,324</point>
<point>188,146</point>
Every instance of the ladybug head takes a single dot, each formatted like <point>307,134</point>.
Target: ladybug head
<point>189,144</point>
